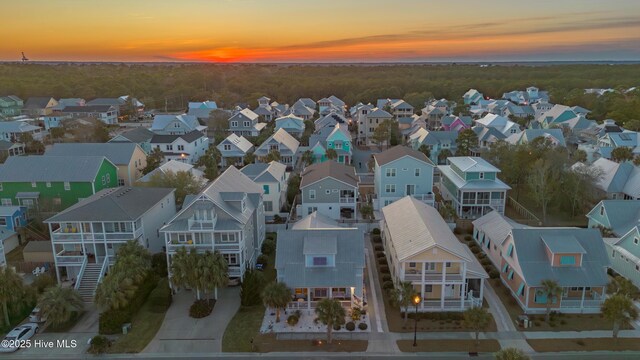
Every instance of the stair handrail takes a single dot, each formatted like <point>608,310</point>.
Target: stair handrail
<point>103,269</point>
<point>81,272</point>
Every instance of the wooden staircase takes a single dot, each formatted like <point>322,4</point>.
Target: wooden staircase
<point>89,282</point>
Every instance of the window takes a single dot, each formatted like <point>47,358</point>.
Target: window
<point>319,261</point>
<point>540,298</point>
<point>108,178</point>
<point>232,259</point>
<point>312,194</point>
<point>428,288</point>
<point>417,172</point>
<point>481,175</point>
<point>510,275</point>
<point>510,250</point>
<point>391,172</point>
<point>520,290</point>
<point>247,123</point>
<point>7,202</point>
<point>180,147</point>
<point>104,180</point>
<point>567,260</point>
<point>67,185</point>
<point>3,221</point>
<point>412,264</point>
<point>227,147</point>
<point>48,184</point>
<point>268,206</point>
<point>328,191</point>
<point>120,182</point>
<point>390,188</point>
<point>601,210</point>
<point>636,241</point>
<point>505,268</point>
<point>33,184</point>
<point>234,124</point>
<point>448,264</point>
<point>226,237</point>
<point>266,189</point>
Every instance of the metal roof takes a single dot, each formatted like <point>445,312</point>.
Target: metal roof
<point>315,220</point>
<point>76,168</point>
<point>117,153</point>
<point>137,135</point>
<point>563,244</point>
<point>496,226</point>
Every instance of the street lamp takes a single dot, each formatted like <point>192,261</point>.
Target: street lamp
<point>416,301</point>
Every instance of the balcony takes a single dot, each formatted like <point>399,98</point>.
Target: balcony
<point>425,198</point>
<point>433,277</point>
<point>202,224</point>
<point>302,304</point>
<point>347,200</point>
<point>64,258</point>
<point>59,236</point>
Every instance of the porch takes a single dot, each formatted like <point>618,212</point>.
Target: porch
<point>308,298</point>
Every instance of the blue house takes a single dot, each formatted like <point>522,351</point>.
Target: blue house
<point>291,124</point>
<point>624,254</point>
<point>13,217</point>
<point>233,149</point>
<point>334,137</point>
<point>472,186</point>
<point>401,171</point>
<point>436,142</point>
<point>617,216</point>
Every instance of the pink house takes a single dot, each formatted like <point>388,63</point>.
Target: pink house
<point>456,123</point>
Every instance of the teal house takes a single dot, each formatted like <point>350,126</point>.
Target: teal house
<point>624,254</point>
<point>332,137</point>
<point>472,186</point>
<point>53,183</point>
<point>10,105</point>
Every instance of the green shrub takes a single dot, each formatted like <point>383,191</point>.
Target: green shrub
<point>160,298</point>
<point>264,260</point>
<point>111,321</point>
<point>292,320</point>
<point>159,264</point>
<point>201,308</point>
<point>251,287</point>
<point>468,237</point>
<point>380,255</point>
<point>350,326</point>
<point>377,239</point>
<point>485,261</point>
<point>384,269</point>
<point>268,246</point>
<point>362,326</point>
<point>382,261</point>
<point>386,277</point>
<point>387,285</point>
<point>337,327</point>
<point>475,250</point>
<point>378,247</point>
<point>99,344</point>
<point>375,231</point>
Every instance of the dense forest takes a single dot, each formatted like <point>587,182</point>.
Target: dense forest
<point>176,84</point>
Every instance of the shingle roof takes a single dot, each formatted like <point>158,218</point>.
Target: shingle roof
<point>161,121</point>
<point>87,109</point>
<point>117,153</point>
<point>50,168</point>
<point>240,141</point>
<point>137,135</point>
<point>398,152</point>
<point>379,113</point>
<point>283,137</point>
<point>315,220</point>
<point>261,172</point>
<point>340,172</point>
<point>168,139</point>
<point>37,102</point>
<point>116,204</point>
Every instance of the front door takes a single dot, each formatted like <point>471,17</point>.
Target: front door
<point>448,291</point>
<point>411,189</point>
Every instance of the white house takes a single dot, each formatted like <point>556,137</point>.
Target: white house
<point>186,148</point>
<point>176,125</point>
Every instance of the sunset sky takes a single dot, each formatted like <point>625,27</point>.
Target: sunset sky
<point>320,30</point>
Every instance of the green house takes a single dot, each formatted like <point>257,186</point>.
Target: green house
<point>10,105</point>
<point>53,183</point>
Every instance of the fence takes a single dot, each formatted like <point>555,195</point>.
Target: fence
<point>523,211</point>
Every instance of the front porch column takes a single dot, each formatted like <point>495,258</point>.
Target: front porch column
<point>309,299</point>
<point>402,272</point>
<point>463,290</point>
<point>442,286</point>
<point>330,293</point>
<point>424,270</point>
<point>481,291</point>
<point>582,300</point>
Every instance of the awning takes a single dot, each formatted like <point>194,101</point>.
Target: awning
<point>27,195</point>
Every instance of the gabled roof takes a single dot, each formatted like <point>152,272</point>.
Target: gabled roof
<point>290,120</point>
<point>379,113</point>
<point>475,164</point>
<point>74,168</point>
<point>332,169</point>
<point>168,139</point>
<point>308,102</point>
<point>203,105</point>
<point>107,101</point>
<point>399,151</point>
<point>37,102</point>
<point>614,175</point>
<point>622,215</point>
<point>240,141</point>
<point>283,137</point>
<point>486,133</point>
<point>10,210</point>
<point>496,226</point>
<point>246,113</point>
<point>528,135</point>
<point>115,204</point>
<point>336,101</point>
<point>17,127</point>
<point>160,122</point>
<point>261,172</point>
<point>88,109</point>
<point>316,221</point>
<point>117,153</point>
<point>137,135</point>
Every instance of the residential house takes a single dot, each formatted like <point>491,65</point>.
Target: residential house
<point>176,125</point>
<point>472,186</point>
<point>337,138</point>
<point>401,171</point>
<point>123,104</point>
<point>616,180</point>
<point>490,232</point>
<point>330,120</point>
<point>264,110</point>
<point>308,102</point>
<point>321,263</point>
<point>62,103</point>
<point>487,136</point>
<point>128,157</point>
<point>54,182</point>
<point>292,124</point>
<point>612,140</point>
<point>436,142</point>
<point>556,116</point>
<point>10,105</point>
<point>202,109</point>
<point>575,258</point>
<point>372,119</point>
<point>299,109</point>
<point>282,142</point>
<point>39,106</point>
<point>8,148</point>
<point>540,108</point>
<point>500,123</point>
<point>12,218</point>
<point>86,236</point>
<point>105,113</point>
<point>624,254</point>
<point>617,217</point>
<point>13,130</point>
<point>186,148</point>
<point>233,149</point>
<point>272,177</point>
<point>398,107</point>
<point>519,111</point>
<point>554,136</point>
<point>331,189</point>
<point>140,136</point>
<point>227,216</point>
<point>421,248</point>
<point>331,104</point>
<point>456,123</point>
<point>245,123</point>
<point>531,95</point>
<point>472,97</point>
<point>173,166</point>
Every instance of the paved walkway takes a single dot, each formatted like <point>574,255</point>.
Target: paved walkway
<point>180,333</point>
<point>507,334</point>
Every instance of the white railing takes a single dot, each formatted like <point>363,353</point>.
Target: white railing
<point>303,305</point>
<point>69,259</point>
<point>424,197</point>
<point>81,273</point>
<point>587,303</point>
<point>103,269</point>
<point>433,277</point>
<point>347,200</point>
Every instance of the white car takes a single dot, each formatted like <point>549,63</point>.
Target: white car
<point>11,342</point>
<point>36,316</point>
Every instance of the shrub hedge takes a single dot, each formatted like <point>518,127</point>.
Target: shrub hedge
<point>111,321</point>
<point>384,269</point>
<point>160,298</point>
<point>201,308</point>
<point>362,326</point>
<point>375,231</point>
<point>350,326</point>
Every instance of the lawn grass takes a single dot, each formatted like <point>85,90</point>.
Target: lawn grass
<point>63,328</point>
<point>144,327</point>
<point>587,344</point>
<point>268,343</point>
<point>485,345</point>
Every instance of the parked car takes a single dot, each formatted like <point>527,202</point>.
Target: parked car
<point>22,332</point>
<point>36,316</point>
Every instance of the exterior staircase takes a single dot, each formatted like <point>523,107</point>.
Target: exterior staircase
<point>89,282</point>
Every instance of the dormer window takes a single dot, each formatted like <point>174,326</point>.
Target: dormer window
<point>319,261</point>
<point>567,260</point>
<point>481,175</point>
<point>601,210</point>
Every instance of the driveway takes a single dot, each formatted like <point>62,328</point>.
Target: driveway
<point>180,333</point>
<point>361,159</point>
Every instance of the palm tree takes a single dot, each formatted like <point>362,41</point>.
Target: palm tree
<point>623,286</point>
<point>276,295</point>
<point>511,354</point>
<point>58,304</point>
<point>273,155</point>
<point>330,312</point>
<point>11,287</point>
<point>478,319</point>
<point>551,290</point>
<point>307,157</point>
<point>425,150</point>
<point>215,274</point>
<point>133,261</point>
<point>443,155</point>
<point>114,292</point>
<point>332,154</point>
<point>620,310</point>
<point>183,269</point>
<point>402,296</point>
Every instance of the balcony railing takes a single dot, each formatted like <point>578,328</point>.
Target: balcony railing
<point>202,224</point>
<point>429,198</point>
<point>578,303</point>
<point>433,277</point>
<point>347,200</point>
<point>62,236</point>
<point>71,259</point>
<point>304,305</point>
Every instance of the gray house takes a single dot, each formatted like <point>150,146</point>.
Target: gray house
<point>233,149</point>
<point>319,260</point>
<point>282,142</point>
<point>245,123</point>
<point>331,189</point>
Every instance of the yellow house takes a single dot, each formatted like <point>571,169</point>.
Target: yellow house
<point>422,249</point>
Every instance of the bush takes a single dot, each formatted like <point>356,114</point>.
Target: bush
<point>494,274</point>
<point>264,260</point>
<point>382,261</point>
<point>380,255</point>
<point>485,262</point>
<point>375,231</point>
<point>350,326</point>
<point>99,344</point>
<point>293,319</point>
<point>268,246</point>
<point>362,326</point>
<point>42,282</point>
<point>251,287</point>
<point>378,247</point>
<point>468,237</point>
<point>160,298</point>
<point>159,264</point>
<point>386,277</point>
<point>384,269</point>
<point>201,308</point>
<point>377,239</point>
<point>337,327</point>
<point>475,250</point>
<point>387,285</point>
